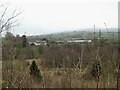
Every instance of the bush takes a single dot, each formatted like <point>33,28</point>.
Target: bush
<point>96,70</point>
<point>34,71</point>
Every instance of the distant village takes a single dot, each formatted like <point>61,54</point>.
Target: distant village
<point>45,41</point>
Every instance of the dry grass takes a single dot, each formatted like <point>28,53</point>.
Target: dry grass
<point>51,77</point>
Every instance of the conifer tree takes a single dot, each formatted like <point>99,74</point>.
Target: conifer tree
<point>34,71</point>
<point>24,41</point>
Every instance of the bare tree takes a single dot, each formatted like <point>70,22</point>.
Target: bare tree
<point>6,22</point>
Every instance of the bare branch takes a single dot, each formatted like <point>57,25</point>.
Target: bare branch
<point>4,12</point>
<point>10,22</point>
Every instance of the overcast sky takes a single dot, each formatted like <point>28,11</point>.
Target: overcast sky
<point>50,16</point>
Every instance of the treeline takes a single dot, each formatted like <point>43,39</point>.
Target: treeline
<point>67,55</point>
<point>16,47</point>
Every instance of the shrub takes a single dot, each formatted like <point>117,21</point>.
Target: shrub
<point>34,71</point>
<point>96,71</point>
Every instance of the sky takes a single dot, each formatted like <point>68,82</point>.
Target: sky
<point>51,16</point>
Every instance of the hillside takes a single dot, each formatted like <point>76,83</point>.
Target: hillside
<point>82,34</point>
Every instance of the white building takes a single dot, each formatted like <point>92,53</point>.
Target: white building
<point>80,41</point>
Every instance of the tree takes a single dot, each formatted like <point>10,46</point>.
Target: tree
<point>6,23</point>
<point>40,49</point>
<point>24,41</point>
<point>96,72</point>
<point>8,46</point>
<point>34,71</point>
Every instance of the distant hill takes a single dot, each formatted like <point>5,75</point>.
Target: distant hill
<point>83,34</point>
